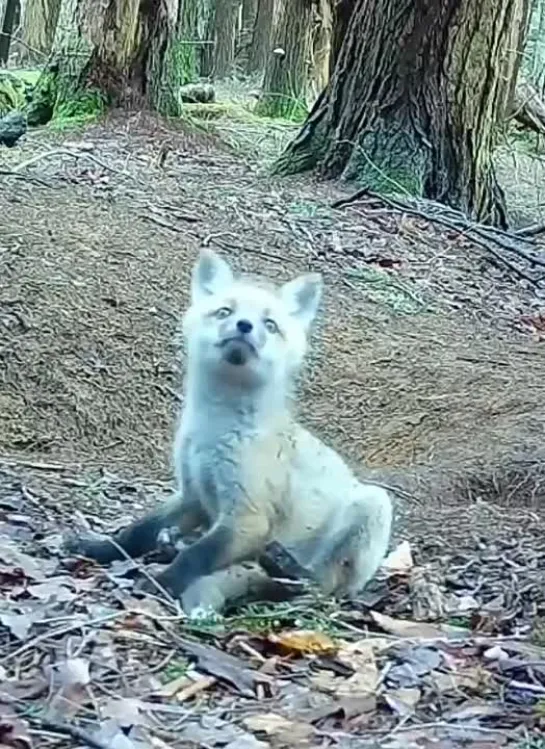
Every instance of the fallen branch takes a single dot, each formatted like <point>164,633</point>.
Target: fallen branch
<point>488,237</point>
<point>75,155</point>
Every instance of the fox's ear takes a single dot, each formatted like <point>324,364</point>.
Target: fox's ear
<point>302,295</point>
<point>211,274</point>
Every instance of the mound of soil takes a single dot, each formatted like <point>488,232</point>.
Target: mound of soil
<point>421,368</point>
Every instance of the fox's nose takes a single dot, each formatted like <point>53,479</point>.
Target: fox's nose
<point>244,326</point>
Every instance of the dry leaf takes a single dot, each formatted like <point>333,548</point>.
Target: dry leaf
<point>277,727</point>
<point>13,559</point>
<point>13,731</point>
<point>125,711</point>
<point>225,666</point>
<point>247,742</point>
<point>18,624</point>
<point>359,656</point>
<point>54,589</point>
<point>72,678</point>
<point>112,735</point>
<point>306,642</point>
<point>403,701</point>
<point>416,630</point>
<point>399,561</point>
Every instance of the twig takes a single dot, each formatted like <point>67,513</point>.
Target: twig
<point>74,155</point>
<point>165,224</point>
<point>194,689</point>
<point>530,231</point>
<point>61,631</point>
<point>34,464</point>
<point>478,233</point>
<point>26,177</point>
<point>142,569</point>
<point>450,726</point>
<point>67,729</point>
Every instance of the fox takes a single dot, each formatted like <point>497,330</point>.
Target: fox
<point>246,471</point>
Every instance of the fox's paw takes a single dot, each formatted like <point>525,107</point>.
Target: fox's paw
<point>84,545</point>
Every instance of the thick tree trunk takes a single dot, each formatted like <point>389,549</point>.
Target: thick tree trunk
<point>38,33</point>
<point>225,34</point>
<point>288,67</point>
<point>342,11</point>
<point>7,27</point>
<point>121,48</point>
<point>260,46</point>
<point>414,101</point>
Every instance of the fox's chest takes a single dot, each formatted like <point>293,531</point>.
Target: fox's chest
<point>234,473</point>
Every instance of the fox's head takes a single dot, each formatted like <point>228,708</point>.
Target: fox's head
<point>244,332</point>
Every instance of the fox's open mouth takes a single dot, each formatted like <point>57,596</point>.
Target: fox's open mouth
<point>237,350</point>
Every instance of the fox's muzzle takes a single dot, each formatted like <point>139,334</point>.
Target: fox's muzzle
<point>237,350</point>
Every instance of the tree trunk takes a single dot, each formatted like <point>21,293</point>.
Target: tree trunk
<point>415,100</point>
<point>321,45</point>
<point>288,67</point>
<point>247,22</point>
<point>9,18</point>
<point>186,49</point>
<point>342,11</point>
<point>225,34</point>
<point>121,48</point>
<point>38,33</point>
<point>533,63</point>
<point>260,46</point>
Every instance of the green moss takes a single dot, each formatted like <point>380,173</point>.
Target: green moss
<point>179,68</point>
<point>81,109</point>
<point>281,106</point>
<point>15,92</point>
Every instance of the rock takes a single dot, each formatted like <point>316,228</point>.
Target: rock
<point>12,126</point>
<point>197,93</point>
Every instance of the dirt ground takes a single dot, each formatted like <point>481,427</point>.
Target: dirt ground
<point>427,370</point>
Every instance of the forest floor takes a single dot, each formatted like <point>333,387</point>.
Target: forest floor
<point>428,369</point>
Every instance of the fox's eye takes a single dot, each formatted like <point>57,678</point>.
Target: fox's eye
<point>271,326</point>
<point>223,312</point>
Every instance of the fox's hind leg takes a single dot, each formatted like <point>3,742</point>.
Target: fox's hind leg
<point>239,584</point>
<point>230,541</point>
<point>346,560</point>
<point>140,537</point>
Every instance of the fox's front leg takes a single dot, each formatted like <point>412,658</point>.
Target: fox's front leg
<point>231,540</point>
<point>141,537</point>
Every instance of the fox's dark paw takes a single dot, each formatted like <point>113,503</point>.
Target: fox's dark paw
<point>89,545</point>
<point>74,545</point>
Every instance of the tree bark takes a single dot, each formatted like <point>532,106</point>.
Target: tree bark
<point>249,11</point>
<point>38,32</point>
<point>187,48</point>
<point>121,48</point>
<point>260,46</point>
<point>342,12</point>
<point>7,28</point>
<point>321,45</point>
<point>288,67</point>
<point>225,34</point>
<point>533,63</point>
<point>415,100</point>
